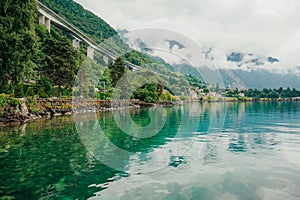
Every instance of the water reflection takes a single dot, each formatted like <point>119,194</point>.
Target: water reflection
<point>107,141</point>
<point>237,144</point>
<point>209,151</point>
<point>47,162</point>
<point>256,125</point>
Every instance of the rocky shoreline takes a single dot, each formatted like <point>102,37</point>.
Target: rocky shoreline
<point>32,110</point>
<point>16,115</point>
<point>46,108</point>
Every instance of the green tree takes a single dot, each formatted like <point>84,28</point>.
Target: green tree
<point>87,78</point>
<point>104,83</point>
<point>117,70</point>
<point>62,63</point>
<point>165,96</point>
<point>18,42</point>
<point>43,87</point>
<point>105,80</point>
<point>287,92</point>
<point>147,93</point>
<point>30,92</point>
<point>18,91</point>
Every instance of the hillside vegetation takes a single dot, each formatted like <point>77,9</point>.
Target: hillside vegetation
<point>36,63</point>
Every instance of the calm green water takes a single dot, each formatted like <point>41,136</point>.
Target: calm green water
<point>195,151</point>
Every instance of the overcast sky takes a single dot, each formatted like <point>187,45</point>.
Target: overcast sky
<point>266,27</point>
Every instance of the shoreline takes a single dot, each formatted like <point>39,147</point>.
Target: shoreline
<point>29,111</point>
<point>33,110</point>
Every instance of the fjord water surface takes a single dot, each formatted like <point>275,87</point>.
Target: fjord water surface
<point>201,151</point>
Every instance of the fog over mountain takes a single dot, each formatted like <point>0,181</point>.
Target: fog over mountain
<point>248,37</point>
<point>238,70</point>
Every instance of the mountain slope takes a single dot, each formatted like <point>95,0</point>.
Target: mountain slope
<point>237,69</point>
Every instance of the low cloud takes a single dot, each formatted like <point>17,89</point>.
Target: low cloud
<point>262,27</point>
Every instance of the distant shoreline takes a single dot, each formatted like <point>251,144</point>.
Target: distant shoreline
<point>248,99</point>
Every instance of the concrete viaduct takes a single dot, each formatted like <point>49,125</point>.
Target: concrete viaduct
<point>48,17</point>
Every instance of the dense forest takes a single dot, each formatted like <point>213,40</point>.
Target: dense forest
<point>18,42</point>
<point>33,61</point>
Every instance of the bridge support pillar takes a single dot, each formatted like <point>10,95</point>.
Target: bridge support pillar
<point>106,60</point>
<point>48,24</point>
<point>42,19</point>
<point>45,21</point>
<point>90,52</point>
<point>76,43</point>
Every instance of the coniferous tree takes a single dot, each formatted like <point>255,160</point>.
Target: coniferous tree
<point>117,70</point>
<point>62,63</point>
